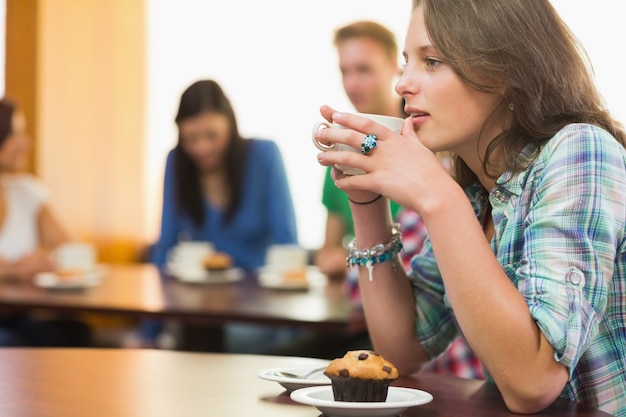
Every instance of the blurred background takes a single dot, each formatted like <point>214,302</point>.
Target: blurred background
<point>100,80</point>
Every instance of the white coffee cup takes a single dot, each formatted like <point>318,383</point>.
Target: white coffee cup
<point>75,256</point>
<point>286,258</point>
<point>190,253</point>
<point>391,123</point>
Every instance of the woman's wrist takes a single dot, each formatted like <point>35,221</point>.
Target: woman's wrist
<point>364,203</point>
<point>377,254</point>
<point>372,222</point>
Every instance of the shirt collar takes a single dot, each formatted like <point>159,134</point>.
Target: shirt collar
<point>508,186</point>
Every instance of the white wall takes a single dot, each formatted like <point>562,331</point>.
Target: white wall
<point>599,25</point>
<point>276,61</point>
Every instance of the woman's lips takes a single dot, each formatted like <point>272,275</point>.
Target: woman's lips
<point>419,118</point>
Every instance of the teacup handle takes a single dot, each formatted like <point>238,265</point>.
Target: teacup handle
<point>318,145</point>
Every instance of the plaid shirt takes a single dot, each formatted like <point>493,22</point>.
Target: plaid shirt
<point>560,238</point>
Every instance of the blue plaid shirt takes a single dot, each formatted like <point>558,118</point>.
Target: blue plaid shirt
<point>560,238</point>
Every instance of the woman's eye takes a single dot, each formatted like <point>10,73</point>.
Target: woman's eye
<point>432,63</point>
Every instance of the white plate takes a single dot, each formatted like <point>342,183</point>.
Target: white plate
<point>398,400</point>
<point>316,379</point>
<point>87,279</point>
<point>270,278</point>
<point>207,276</point>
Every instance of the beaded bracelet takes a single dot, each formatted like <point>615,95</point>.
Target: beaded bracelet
<point>377,254</point>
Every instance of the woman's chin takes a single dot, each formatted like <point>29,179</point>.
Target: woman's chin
<point>208,167</point>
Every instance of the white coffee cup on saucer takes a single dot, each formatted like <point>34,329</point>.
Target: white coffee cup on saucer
<point>186,259</point>
<point>190,253</point>
<point>75,256</point>
<point>391,123</point>
<point>284,258</point>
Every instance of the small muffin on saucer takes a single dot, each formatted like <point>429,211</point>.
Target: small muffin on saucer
<point>361,376</point>
<point>295,275</point>
<point>69,274</point>
<point>218,261</point>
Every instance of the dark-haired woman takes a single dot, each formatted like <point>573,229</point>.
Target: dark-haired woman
<point>222,188</point>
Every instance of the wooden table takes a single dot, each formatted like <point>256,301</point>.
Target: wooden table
<point>141,290</point>
<point>152,383</point>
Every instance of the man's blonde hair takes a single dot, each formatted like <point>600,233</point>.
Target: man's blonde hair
<point>370,30</point>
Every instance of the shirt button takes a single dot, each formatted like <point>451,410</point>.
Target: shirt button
<point>575,276</point>
<point>523,269</point>
<point>446,300</point>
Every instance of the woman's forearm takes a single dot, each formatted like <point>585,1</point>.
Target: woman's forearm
<point>388,297</point>
<point>491,312</point>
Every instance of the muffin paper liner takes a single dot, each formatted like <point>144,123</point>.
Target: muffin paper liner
<point>359,390</point>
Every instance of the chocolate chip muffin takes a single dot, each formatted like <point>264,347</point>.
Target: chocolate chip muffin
<point>361,376</point>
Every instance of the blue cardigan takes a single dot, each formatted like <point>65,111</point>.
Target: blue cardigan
<point>265,215</point>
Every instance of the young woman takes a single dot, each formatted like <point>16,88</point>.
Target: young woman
<point>527,248</point>
<point>222,188</point>
<point>368,61</point>
<point>28,226</point>
<point>28,232</point>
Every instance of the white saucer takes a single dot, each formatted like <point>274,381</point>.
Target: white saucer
<point>271,278</point>
<point>204,276</point>
<point>316,379</point>
<point>398,400</point>
<point>87,279</point>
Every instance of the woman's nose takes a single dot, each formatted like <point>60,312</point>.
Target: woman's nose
<point>408,83</point>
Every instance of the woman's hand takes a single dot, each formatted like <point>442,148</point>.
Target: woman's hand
<point>400,167</point>
<point>336,174</point>
<point>331,260</point>
<point>27,266</point>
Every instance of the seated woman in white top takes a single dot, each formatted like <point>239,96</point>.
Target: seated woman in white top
<point>28,230</point>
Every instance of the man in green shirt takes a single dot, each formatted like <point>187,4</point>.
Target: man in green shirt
<point>368,60</point>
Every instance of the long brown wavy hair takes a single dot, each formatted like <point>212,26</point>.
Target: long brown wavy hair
<point>201,97</point>
<point>524,48</point>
